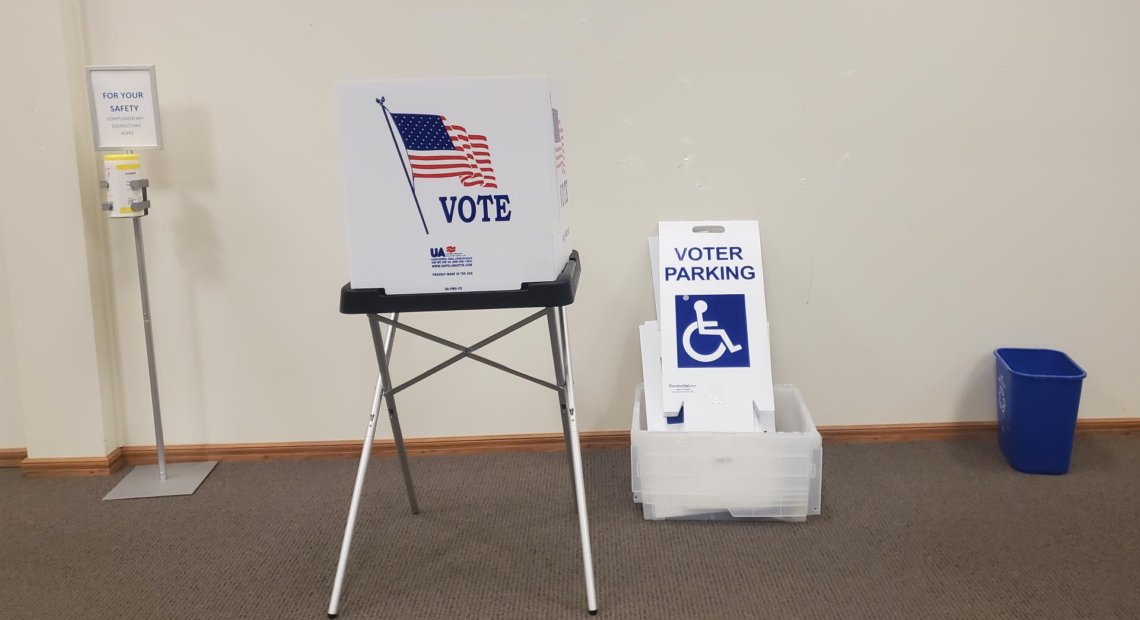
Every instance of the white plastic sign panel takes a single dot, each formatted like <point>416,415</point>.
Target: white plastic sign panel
<point>655,419</point>
<point>124,107</point>
<point>715,354</point>
<point>456,184</point>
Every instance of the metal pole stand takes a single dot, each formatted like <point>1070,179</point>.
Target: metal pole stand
<point>159,480</point>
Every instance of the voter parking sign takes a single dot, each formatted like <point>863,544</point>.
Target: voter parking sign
<point>715,358</point>
<point>712,331</point>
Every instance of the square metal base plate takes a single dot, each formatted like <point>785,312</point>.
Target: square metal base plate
<point>143,481</point>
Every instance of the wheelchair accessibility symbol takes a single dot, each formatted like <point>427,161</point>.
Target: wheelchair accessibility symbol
<point>712,331</point>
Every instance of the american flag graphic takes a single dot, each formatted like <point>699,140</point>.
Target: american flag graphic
<point>438,149</point>
<point>559,153</point>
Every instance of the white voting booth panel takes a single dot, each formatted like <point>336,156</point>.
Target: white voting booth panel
<point>706,475</point>
<point>455,184</point>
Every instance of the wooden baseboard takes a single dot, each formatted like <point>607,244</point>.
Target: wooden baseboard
<point>1116,426</point>
<point>84,466</point>
<point>886,433</point>
<point>12,457</point>
<point>425,446</point>
<point>541,442</point>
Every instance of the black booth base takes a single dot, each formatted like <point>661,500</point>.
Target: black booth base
<point>555,293</point>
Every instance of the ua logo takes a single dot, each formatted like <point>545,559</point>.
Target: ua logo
<point>437,253</point>
<point>712,331</point>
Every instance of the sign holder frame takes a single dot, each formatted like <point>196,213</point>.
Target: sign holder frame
<point>99,145</point>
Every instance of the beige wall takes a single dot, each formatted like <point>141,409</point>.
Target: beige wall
<point>51,251</point>
<point>11,419</point>
<point>932,182</point>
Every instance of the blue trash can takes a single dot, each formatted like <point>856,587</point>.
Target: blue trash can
<point>1038,394</point>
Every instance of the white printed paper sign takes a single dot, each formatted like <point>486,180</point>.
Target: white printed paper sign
<point>715,354</point>
<point>124,108</point>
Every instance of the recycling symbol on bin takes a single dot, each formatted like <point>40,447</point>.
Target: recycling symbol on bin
<point>1002,420</point>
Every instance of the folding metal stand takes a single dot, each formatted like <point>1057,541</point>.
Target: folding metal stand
<point>552,297</point>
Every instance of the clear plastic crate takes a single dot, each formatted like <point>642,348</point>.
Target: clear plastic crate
<point>729,476</point>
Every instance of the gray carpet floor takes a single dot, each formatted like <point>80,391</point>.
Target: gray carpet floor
<point>914,530</point>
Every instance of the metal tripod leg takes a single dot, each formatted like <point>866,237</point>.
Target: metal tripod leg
<point>576,458</point>
<point>393,418</point>
<point>560,381</point>
<point>361,471</point>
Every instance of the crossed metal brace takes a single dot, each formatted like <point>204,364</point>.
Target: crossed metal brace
<point>467,352</point>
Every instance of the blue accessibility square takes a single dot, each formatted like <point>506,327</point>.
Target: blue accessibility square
<point>712,331</point>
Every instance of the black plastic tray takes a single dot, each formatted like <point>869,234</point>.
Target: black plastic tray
<point>557,292</point>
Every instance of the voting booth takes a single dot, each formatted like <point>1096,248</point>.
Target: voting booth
<point>457,199</point>
<point>711,436</point>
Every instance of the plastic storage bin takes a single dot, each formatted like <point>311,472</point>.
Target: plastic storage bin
<point>1038,395</point>
<point>728,476</point>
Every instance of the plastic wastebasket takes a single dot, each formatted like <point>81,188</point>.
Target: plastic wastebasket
<point>1038,395</point>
